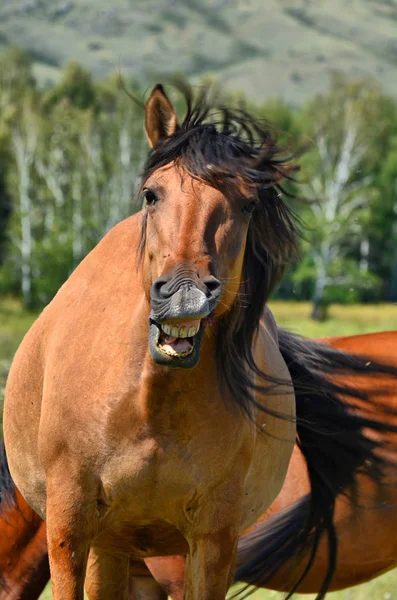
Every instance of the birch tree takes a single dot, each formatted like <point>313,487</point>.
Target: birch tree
<point>384,222</point>
<point>24,142</point>
<point>113,149</point>
<point>339,189</point>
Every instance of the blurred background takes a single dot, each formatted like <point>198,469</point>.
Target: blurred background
<point>72,144</point>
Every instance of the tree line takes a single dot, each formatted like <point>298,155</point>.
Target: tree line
<point>71,155</point>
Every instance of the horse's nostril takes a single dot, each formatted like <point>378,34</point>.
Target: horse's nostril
<point>157,287</point>
<point>212,284</point>
<point>164,288</point>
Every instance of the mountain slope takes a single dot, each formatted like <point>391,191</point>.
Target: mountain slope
<point>266,48</point>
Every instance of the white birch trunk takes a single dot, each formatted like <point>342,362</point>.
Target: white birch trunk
<point>364,254</point>
<point>24,148</point>
<point>77,219</point>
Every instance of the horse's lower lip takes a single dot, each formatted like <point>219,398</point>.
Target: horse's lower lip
<point>175,353</point>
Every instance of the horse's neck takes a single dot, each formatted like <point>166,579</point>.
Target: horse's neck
<point>165,390</point>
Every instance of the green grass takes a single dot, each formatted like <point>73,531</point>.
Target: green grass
<point>381,588</point>
<point>343,320</point>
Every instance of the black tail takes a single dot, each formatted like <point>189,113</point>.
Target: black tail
<point>331,439</point>
<point>7,486</point>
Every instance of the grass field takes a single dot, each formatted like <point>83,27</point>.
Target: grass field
<point>343,320</point>
<point>382,588</point>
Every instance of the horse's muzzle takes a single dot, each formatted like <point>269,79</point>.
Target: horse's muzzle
<point>187,303</point>
<point>177,319</point>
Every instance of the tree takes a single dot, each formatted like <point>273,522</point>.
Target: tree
<point>345,124</point>
<point>76,86</point>
<point>383,224</point>
<point>5,198</point>
<point>16,79</point>
<point>71,158</point>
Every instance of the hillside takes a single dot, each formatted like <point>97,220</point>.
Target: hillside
<point>266,48</point>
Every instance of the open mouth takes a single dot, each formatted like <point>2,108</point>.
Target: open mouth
<point>177,343</point>
<point>177,339</point>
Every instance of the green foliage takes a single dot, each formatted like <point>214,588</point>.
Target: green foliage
<point>70,162</point>
<point>16,76</point>
<point>76,86</point>
<point>71,155</point>
<point>349,128</point>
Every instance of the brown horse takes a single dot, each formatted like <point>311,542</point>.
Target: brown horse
<point>23,553</point>
<point>149,410</point>
<point>24,569</point>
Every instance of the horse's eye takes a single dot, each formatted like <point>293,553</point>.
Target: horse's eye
<point>149,197</point>
<point>249,208</point>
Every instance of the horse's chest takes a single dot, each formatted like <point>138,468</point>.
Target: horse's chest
<point>147,473</point>
<point>150,478</point>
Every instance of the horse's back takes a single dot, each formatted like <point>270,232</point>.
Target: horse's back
<point>381,388</point>
<point>380,344</point>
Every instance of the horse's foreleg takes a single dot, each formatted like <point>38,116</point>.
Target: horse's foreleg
<point>107,576</point>
<point>210,566</point>
<point>70,524</point>
<point>213,545</point>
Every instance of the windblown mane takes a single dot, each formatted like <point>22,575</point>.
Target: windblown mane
<point>231,150</point>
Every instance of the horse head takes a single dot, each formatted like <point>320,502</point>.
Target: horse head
<point>204,183</point>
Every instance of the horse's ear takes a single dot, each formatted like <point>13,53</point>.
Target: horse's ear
<point>160,117</point>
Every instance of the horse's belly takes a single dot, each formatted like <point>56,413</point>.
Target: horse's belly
<point>157,538</point>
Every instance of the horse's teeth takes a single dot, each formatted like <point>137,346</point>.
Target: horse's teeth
<point>180,332</point>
